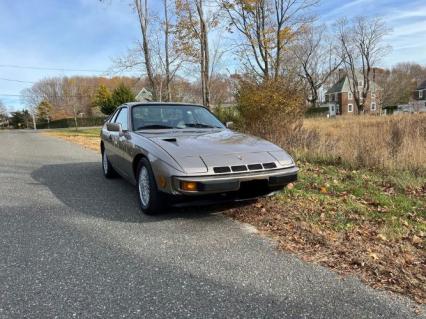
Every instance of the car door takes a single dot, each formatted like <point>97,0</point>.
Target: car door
<point>114,137</point>
<point>109,138</point>
<point>121,142</point>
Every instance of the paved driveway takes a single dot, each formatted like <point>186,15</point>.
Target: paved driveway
<point>73,244</point>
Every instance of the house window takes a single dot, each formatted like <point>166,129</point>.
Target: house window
<point>332,108</point>
<point>359,83</point>
<point>350,96</point>
<point>332,97</point>
<point>373,106</point>
<point>350,108</point>
<point>420,94</point>
<point>337,96</point>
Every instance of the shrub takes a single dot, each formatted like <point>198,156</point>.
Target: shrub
<point>227,114</point>
<point>316,111</point>
<point>271,109</point>
<point>69,122</point>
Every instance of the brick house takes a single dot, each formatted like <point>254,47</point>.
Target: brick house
<point>340,99</point>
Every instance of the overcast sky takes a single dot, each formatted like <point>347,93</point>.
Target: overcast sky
<point>86,34</point>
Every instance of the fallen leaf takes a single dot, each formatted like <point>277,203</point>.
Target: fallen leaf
<point>382,237</point>
<point>323,189</point>
<point>373,255</point>
<point>416,240</point>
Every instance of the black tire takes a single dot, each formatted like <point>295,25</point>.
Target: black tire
<point>156,200</point>
<point>107,169</point>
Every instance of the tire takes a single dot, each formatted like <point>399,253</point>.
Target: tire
<point>151,201</point>
<point>107,169</point>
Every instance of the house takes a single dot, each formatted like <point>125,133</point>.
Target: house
<point>143,96</point>
<point>419,98</point>
<point>339,98</point>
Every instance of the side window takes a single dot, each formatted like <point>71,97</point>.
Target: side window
<point>122,119</point>
<point>113,116</point>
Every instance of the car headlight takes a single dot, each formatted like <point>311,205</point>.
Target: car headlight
<point>283,158</point>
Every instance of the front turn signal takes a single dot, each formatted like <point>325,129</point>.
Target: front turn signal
<point>189,186</point>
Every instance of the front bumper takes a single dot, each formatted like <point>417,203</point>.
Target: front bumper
<point>251,183</point>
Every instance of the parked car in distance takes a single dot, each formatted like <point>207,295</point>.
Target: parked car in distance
<point>181,153</point>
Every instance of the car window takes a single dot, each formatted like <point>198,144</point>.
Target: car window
<point>172,117</point>
<point>113,116</point>
<point>122,119</point>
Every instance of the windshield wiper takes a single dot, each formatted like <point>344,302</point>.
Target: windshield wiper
<point>153,126</point>
<point>199,125</point>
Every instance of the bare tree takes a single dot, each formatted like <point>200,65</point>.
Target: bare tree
<point>361,45</point>
<point>32,100</point>
<point>267,26</point>
<point>141,7</point>
<point>194,25</point>
<point>315,53</point>
<point>155,54</point>
<point>3,110</point>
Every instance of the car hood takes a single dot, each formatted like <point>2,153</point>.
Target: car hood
<point>200,151</point>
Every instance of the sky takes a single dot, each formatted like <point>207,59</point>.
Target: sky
<point>75,35</point>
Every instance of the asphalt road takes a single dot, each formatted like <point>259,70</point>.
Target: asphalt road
<point>74,245</point>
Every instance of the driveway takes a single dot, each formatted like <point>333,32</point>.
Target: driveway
<point>73,244</point>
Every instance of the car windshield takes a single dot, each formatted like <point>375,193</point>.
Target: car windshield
<point>149,117</point>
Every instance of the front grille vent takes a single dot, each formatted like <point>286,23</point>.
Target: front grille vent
<point>243,168</point>
<point>221,169</point>
<point>254,167</point>
<point>239,168</point>
<point>269,165</point>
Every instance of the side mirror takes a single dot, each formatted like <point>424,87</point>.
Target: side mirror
<point>113,127</point>
<point>229,125</point>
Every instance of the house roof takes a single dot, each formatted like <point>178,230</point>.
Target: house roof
<point>422,86</point>
<point>339,86</point>
<point>343,85</point>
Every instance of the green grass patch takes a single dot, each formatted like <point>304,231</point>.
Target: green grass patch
<point>343,198</point>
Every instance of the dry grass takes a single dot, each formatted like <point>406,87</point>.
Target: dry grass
<point>391,142</point>
<point>88,138</point>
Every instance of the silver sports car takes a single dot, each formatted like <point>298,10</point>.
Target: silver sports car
<point>180,153</point>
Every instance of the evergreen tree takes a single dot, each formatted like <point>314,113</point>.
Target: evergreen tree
<point>103,100</point>
<point>122,94</point>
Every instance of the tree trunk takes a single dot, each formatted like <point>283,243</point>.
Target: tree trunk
<point>204,55</point>
<point>166,49</point>
<point>34,122</point>
<point>142,10</point>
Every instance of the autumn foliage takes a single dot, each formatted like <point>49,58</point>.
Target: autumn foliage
<point>271,109</point>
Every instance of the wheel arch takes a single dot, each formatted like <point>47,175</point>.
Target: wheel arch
<point>135,164</point>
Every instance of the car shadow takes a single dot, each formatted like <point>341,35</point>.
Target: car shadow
<point>82,187</point>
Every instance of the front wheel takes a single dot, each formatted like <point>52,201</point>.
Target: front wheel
<point>108,170</point>
<point>150,199</point>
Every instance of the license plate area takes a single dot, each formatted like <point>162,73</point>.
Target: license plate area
<point>253,188</point>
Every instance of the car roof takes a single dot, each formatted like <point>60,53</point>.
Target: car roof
<point>131,104</point>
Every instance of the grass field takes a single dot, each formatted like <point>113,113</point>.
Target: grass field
<point>385,142</point>
<point>346,211</point>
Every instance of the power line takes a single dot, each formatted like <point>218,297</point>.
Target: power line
<point>13,80</point>
<point>48,68</point>
<point>48,96</point>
